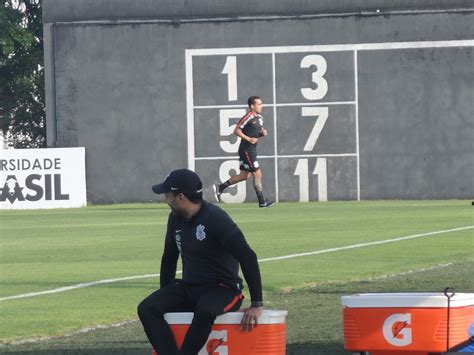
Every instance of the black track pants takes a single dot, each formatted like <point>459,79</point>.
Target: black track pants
<point>207,302</point>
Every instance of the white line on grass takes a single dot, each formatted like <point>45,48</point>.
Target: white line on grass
<point>361,245</point>
<point>324,251</point>
<point>73,287</point>
<point>67,335</point>
<point>408,272</point>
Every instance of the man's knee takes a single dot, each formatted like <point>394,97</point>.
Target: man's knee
<point>146,307</point>
<point>257,174</point>
<point>244,175</point>
<point>142,309</point>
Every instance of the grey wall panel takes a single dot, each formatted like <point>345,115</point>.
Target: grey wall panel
<point>338,135</point>
<point>291,76</point>
<point>417,137</point>
<point>121,93</point>
<point>87,10</point>
<point>123,96</point>
<point>299,180</point>
<point>210,89</point>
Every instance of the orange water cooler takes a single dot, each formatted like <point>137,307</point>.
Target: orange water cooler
<point>226,338</point>
<point>406,323</point>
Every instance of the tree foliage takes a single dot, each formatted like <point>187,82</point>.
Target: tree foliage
<point>22,108</point>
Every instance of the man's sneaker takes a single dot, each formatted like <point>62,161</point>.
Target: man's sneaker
<point>266,204</point>
<point>217,193</point>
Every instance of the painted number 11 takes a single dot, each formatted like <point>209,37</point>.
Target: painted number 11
<point>302,170</point>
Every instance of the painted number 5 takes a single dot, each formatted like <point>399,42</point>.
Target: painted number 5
<point>226,128</point>
<point>318,61</point>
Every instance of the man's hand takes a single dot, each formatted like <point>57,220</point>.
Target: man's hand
<point>250,318</point>
<point>263,132</point>
<point>252,140</point>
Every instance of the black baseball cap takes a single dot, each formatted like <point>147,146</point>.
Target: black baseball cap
<point>181,180</point>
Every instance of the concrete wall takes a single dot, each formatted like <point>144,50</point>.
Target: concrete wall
<point>142,89</point>
<point>93,10</point>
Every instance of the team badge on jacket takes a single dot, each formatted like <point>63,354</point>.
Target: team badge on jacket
<point>200,234</point>
<point>178,239</point>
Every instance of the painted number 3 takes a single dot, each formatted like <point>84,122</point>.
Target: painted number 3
<point>321,89</point>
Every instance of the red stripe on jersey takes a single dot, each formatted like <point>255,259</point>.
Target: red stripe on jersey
<point>244,119</point>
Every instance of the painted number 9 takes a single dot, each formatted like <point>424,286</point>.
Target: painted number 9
<point>241,188</point>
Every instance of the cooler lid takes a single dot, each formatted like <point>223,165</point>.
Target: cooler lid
<point>267,317</point>
<point>412,300</point>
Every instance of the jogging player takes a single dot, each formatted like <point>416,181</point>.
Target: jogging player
<point>212,247</point>
<point>249,129</point>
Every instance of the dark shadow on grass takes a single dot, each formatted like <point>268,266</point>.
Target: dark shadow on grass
<point>101,351</point>
<point>138,209</point>
<point>292,349</point>
<point>316,349</point>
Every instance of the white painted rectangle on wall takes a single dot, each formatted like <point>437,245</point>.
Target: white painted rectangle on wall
<point>42,178</point>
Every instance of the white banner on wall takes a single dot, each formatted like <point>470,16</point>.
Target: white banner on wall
<point>42,178</point>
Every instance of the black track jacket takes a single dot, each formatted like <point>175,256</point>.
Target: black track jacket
<point>211,247</point>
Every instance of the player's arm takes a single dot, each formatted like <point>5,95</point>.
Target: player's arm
<point>239,133</point>
<point>169,260</point>
<point>241,125</point>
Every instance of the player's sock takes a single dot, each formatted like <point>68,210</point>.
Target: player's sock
<point>224,186</point>
<point>260,197</point>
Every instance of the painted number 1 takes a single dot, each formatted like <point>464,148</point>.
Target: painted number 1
<point>230,69</point>
<point>320,170</point>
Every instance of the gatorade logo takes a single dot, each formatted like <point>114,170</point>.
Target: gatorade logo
<point>215,344</point>
<point>397,329</point>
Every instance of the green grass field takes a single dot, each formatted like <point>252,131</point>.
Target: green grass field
<point>47,249</point>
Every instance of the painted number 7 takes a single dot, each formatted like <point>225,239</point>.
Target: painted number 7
<point>322,114</point>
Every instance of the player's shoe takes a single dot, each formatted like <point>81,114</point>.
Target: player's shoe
<point>217,193</point>
<point>266,204</point>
